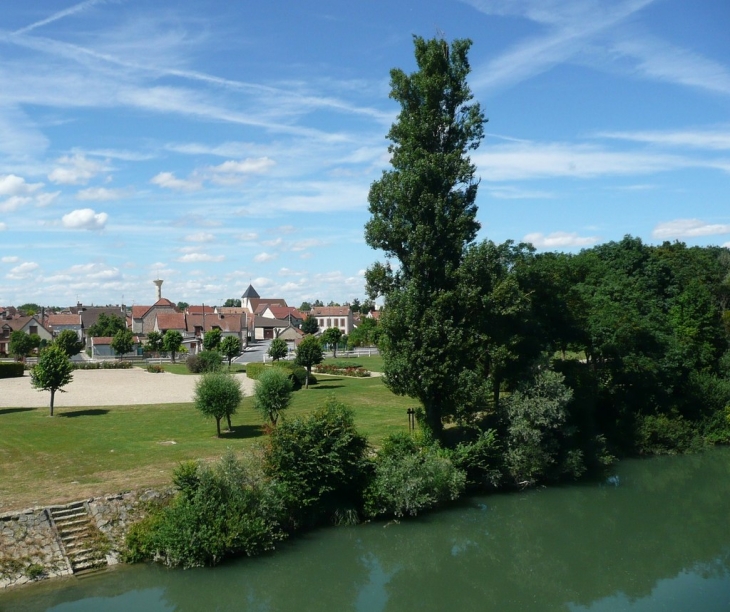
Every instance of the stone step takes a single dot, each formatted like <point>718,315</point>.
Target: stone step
<point>62,524</point>
<point>78,507</point>
<point>88,565</point>
<point>73,531</point>
<point>69,515</point>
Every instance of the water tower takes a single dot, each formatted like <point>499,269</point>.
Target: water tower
<point>158,283</point>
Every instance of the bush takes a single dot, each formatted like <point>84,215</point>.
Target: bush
<point>11,370</point>
<point>662,434</point>
<point>480,460</point>
<point>330,368</point>
<point>220,511</point>
<point>205,361</point>
<point>273,393</point>
<point>218,395</point>
<point>297,374</point>
<point>103,365</point>
<point>409,479</point>
<point>155,368</point>
<point>254,370</point>
<point>319,462</point>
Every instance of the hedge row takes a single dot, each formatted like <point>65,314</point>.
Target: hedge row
<point>330,368</point>
<point>103,365</point>
<point>297,374</point>
<point>11,370</point>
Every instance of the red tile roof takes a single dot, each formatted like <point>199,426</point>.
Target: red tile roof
<point>64,319</point>
<point>282,312</point>
<point>171,320</point>
<point>195,310</point>
<point>139,311</point>
<point>331,311</point>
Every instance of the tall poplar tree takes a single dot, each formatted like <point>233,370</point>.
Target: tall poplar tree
<point>424,216</point>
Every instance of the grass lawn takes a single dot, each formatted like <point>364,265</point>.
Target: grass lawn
<point>91,451</point>
<point>374,363</point>
<point>181,368</point>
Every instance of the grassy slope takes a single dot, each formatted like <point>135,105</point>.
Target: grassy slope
<point>93,451</point>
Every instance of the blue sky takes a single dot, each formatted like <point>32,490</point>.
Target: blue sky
<point>215,144</point>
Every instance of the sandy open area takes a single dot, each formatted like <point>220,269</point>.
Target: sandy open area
<point>108,388</point>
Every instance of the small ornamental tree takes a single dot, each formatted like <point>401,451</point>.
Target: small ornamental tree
<point>309,353</point>
<point>21,345</point>
<point>230,348</point>
<point>278,349</point>
<point>122,342</point>
<point>107,325</point>
<point>218,395</point>
<point>68,341</point>
<point>54,371</point>
<point>154,342</point>
<point>332,335</point>
<point>212,339</point>
<point>272,393</point>
<point>171,342</point>
<point>309,325</point>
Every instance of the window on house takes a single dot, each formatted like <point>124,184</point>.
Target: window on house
<point>33,329</point>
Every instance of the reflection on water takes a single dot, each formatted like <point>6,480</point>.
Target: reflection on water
<point>655,537</point>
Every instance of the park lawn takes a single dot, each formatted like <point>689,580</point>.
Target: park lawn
<point>92,451</point>
<point>181,368</point>
<point>374,363</point>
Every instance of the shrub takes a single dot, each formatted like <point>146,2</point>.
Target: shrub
<point>11,370</point>
<point>155,368</point>
<point>409,479</point>
<point>329,368</point>
<point>662,434</point>
<point>480,460</point>
<point>319,462</point>
<point>205,361</point>
<point>254,370</point>
<point>103,365</point>
<point>218,395</point>
<point>273,393</point>
<point>297,374</point>
<point>219,511</point>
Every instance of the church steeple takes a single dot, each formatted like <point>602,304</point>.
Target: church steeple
<point>248,295</point>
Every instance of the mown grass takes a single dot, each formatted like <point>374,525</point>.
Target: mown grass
<point>90,451</point>
<point>181,368</point>
<point>374,363</point>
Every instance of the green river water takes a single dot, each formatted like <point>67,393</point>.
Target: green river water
<point>656,536</point>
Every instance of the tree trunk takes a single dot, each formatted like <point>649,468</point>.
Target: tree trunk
<point>53,392</point>
<point>433,421</point>
<point>228,418</point>
<point>306,378</point>
<point>334,350</point>
<point>218,425</point>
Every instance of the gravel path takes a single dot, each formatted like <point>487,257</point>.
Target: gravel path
<point>108,388</point>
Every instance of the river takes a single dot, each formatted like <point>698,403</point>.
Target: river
<point>655,536</point>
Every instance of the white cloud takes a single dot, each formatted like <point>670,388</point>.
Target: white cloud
<point>200,237</point>
<point>24,270</point>
<point>14,203</point>
<point>248,236</point>
<point>46,199</point>
<point>688,228</point>
<point>726,245</point>
<point>264,257</point>
<point>558,240</point>
<point>233,172</point>
<point>100,194</point>
<point>3,227</point>
<point>309,243</point>
<point>273,243</point>
<point>9,259</point>
<point>12,185</point>
<point>75,170</point>
<point>85,218</point>
<point>169,181</point>
<point>199,257</point>
<point>716,139</point>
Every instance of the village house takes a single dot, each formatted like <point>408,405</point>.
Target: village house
<point>334,316</point>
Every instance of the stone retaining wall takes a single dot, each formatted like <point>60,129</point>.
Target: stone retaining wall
<point>30,548</point>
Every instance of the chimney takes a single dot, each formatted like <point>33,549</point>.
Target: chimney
<point>158,283</point>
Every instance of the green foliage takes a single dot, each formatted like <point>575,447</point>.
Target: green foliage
<point>11,370</point>
<point>350,370</point>
<point>230,348</point>
<point>278,349</point>
<point>254,370</point>
<point>220,511</point>
<point>232,303</point>
<point>69,342</point>
<point>297,374</point>
<point>331,336</point>
<point>21,344</point>
<point>122,342</point>
<point>309,353</point>
<point>172,342</point>
<point>154,342</point>
<point>319,461</point>
<point>424,215</point>
<point>155,368</point>
<point>218,395</point>
<point>212,339</point>
<point>272,393</point>
<point>53,372</point>
<point>103,365</point>
<point>205,361</point>
<point>107,326</point>
<point>181,306</point>
<point>309,325</point>
<point>409,479</point>
<point>536,431</point>
<point>481,460</point>
<point>365,334</point>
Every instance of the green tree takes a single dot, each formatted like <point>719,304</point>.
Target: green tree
<point>232,303</point>
<point>272,393</point>
<point>355,306</point>
<point>107,325</point>
<point>171,342</point>
<point>230,348</point>
<point>122,342</point>
<point>278,349</point>
<point>29,309</point>
<point>21,345</point>
<point>309,325</point>
<point>309,353</point>
<point>154,342</point>
<point>332,335</point>
<point>424,215</point>
<point>53,372</point>
<point>218,395</point>
<point>212,339</point>
<point>69,342</point>
<point>181,306</point>
<point>305,307</point>
<point>365,334</point>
